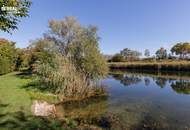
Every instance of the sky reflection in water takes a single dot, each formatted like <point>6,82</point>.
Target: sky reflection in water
<point>150,100</point>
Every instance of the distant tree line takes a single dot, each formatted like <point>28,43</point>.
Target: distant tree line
<point>178,51</point>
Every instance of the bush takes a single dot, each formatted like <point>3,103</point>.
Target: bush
<point>8,56</point>
<point>63,79</point>
<point>5,66</point>
<point>117,58</point>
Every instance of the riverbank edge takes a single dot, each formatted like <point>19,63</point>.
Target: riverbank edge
<point>173,66</point>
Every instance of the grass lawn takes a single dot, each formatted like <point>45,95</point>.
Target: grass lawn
<point>13,97</point>
<point>15,105</point>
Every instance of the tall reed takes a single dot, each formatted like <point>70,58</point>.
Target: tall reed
<point>63,79</point>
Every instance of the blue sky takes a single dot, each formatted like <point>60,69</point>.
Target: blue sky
<point>135,24</point>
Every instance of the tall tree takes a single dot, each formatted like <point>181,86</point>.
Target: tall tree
<point>79,44</point>
<point>182,49</point>
<point>11,11</point>
<point>130,54</point>
<point>147,53</point>
<point>161,53</point>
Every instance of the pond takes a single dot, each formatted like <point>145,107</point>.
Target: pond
<point>138,101</point>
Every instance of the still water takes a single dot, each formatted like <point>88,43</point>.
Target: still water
<point>139,101</point>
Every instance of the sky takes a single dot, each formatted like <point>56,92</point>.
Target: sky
<point>134,24</point>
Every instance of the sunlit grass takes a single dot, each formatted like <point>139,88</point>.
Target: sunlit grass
<point>152,65</point>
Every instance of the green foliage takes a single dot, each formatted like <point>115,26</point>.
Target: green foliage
<point>8,56</point>
<point>63,79</point>
<point>130,55</point>
<point>9,20</point>
<point>161,53</point>
<point>40,51</point>
<point>117,58</point>
<point>5,66</point>
<point>181,86</point>
<point>86,56</point>
<point>182,49</point>
<point>80,45</point>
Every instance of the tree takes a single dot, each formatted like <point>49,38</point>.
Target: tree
<point>79,44</point>
<point>182,49</point>
<point>9,19</point>
<point>64,32</point>
<point>147,53</point>
<point>130,54</point>
<point>41,51</point>
<point>8,56</point>
<point>117,58</point>
<point>161,53</point>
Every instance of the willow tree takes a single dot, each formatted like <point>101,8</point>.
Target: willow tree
<point>80,45</point>
<point>10,13</point>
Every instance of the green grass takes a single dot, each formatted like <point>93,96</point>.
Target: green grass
<point>13,95</point>
<point>17,94</point>
<point>15,105</point>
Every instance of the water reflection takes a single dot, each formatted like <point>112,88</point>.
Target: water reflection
<point>128,79</point>
<point>161,82</point>
<point>146,81</point>
<point>179,83</point>
<point>136,101</point>
<point>181,86</point>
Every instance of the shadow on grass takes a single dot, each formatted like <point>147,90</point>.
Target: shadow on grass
<point>3,105</point>
<point>34,84</point>
<point>20,121</point>
<point>24,74</point>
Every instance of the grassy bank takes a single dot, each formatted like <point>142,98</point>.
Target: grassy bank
<point>155,65</point>
<point>17,95</point>
<point>15,104</point>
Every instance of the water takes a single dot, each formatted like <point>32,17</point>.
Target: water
<point>139,100</point>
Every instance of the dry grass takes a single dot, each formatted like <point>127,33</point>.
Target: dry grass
<point>155,65</point>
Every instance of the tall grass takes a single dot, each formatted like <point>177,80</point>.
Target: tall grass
<point>63,79</point>
<point>163,65</point>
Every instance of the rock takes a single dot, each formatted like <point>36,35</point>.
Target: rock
<point>42,108</point>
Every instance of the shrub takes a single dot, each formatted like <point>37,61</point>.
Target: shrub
<point>117,58</point>
<point>5,66</point>
<point>8,56</point>
<point>63,79</point>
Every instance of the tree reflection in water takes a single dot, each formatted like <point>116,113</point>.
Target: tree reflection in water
<point>161,82</point>
<point>146,81</point>
<point>178,83</point>
<point>181,86</point>
<point>126,79</point>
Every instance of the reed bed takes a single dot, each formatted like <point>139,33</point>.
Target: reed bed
<point>168,66</point>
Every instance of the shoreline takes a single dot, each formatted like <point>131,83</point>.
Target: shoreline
<point>155,66</point>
